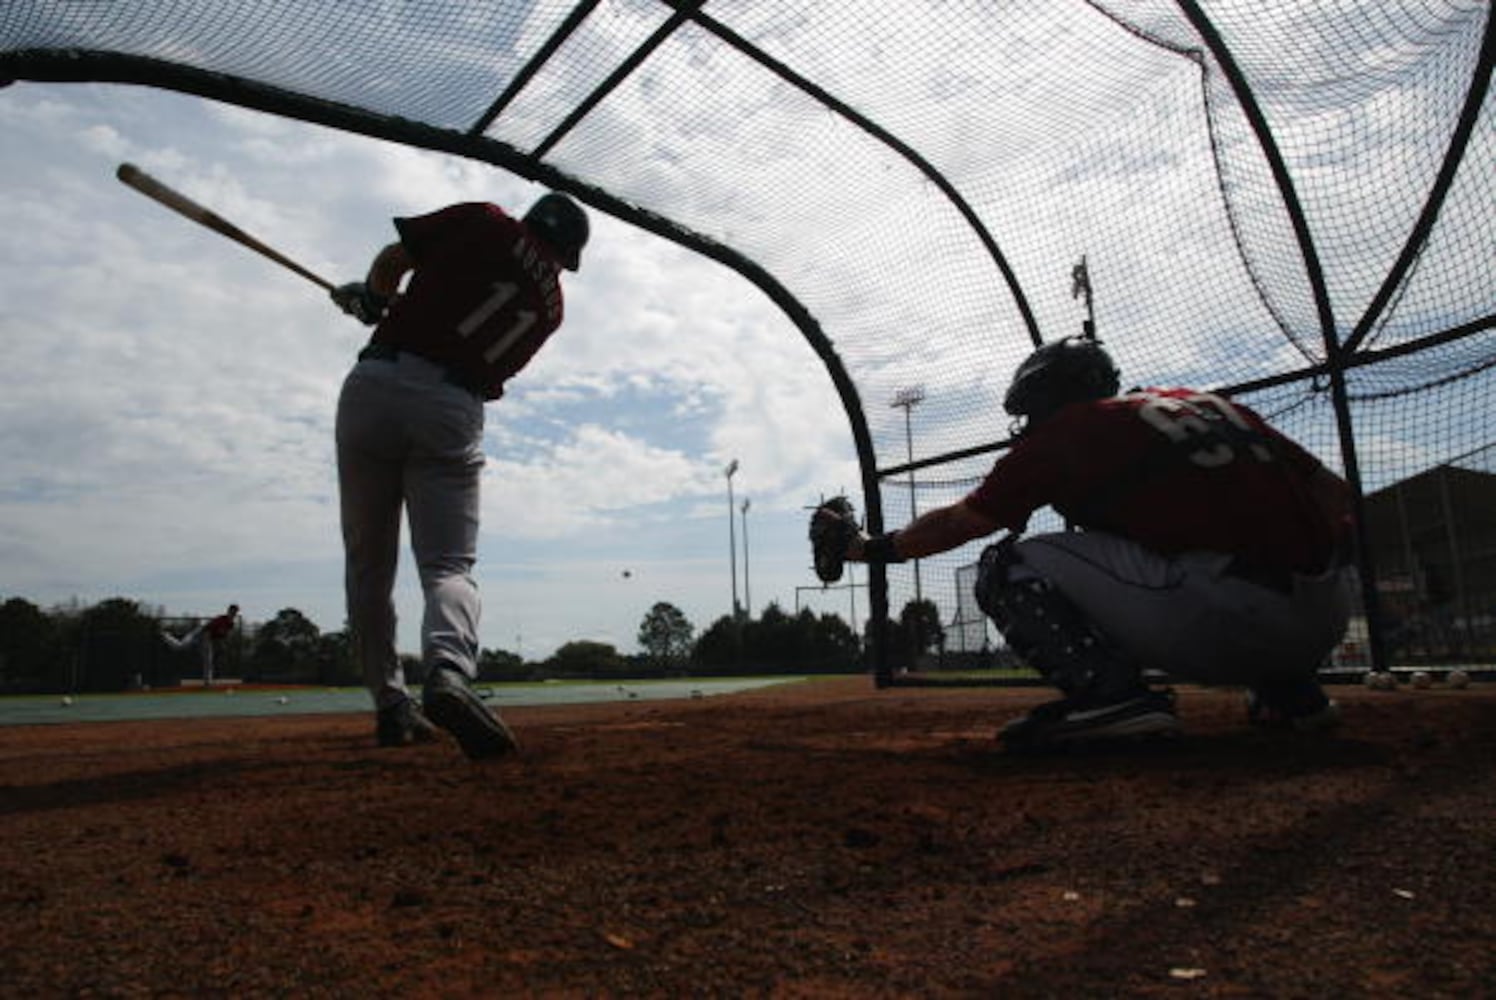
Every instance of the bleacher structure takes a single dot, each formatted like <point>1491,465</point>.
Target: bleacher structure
<point>1289,201</point>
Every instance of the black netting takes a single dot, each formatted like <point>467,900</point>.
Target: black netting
<point>1256,193</point>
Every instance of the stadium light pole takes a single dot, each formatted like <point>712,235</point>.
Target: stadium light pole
<point>747,590</point>
<point>732,538</point>
<point>907,400</point>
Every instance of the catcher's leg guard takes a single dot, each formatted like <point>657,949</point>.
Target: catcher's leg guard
<point>1051,633</point>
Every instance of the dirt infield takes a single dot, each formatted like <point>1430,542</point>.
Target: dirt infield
<point>820,839</point>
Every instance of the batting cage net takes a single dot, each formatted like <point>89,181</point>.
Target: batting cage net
<point>1290,202</point>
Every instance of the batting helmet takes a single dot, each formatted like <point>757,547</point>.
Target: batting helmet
<point>1064,371</point>
<point>562,224</point>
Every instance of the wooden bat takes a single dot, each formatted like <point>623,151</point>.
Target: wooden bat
<point>147,185</point>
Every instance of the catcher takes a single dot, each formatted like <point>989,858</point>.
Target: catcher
<point>1213,549</point>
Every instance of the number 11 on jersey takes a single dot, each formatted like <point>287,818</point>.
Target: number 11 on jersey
<point>503,292</point>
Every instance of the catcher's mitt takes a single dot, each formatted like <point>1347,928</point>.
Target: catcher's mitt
<point>832,526</point>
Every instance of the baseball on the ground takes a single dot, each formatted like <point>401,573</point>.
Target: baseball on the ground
<point>1420,678</point>
<point>1457,679</point>
<point>1385,681</point>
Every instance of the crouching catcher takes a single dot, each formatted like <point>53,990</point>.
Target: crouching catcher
<point>1211,549</point>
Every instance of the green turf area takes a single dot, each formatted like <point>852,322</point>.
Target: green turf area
<point>234,701</point>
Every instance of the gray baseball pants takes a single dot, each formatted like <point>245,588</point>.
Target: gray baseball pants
<point>408,439</point>
<point>197,639</point>
<point>1187,615</point>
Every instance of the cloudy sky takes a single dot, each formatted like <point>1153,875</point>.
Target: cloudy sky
<point>167,401</point>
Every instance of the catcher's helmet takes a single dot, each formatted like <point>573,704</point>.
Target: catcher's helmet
<point>562,224</point>
<point>1064,371</point>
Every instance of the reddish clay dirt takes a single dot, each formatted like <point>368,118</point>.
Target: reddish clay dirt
<point>821,839</point>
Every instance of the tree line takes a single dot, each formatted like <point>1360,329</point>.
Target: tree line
<point>116,645</point>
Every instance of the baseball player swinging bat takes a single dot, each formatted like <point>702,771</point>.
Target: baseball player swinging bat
<point>147,185</point>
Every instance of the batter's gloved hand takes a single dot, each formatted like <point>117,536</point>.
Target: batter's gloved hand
<point>358,301</point>
<point>833,525</point>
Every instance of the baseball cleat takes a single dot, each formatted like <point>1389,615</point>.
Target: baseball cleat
<point>451,703</point>
<point>402,725</point>
<point>1302,706</point>
<point>1067,723</point>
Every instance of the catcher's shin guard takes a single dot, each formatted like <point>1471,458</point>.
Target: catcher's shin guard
<point>1049,632</point>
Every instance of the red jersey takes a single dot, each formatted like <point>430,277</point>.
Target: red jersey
<point>483,297</point>
<point>1172,469</point>
<point>221,626</point>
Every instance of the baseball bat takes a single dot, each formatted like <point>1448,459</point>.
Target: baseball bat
<point>147,185</point>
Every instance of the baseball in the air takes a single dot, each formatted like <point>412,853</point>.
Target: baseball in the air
<point>67,700</point>
<point>1420,679</point>
<point>1457,679</point>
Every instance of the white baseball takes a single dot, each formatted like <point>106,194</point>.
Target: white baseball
<point>1457,678</point>
<point>1420,679</point>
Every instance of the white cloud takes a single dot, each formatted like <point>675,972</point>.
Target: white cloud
<point>593,480</point>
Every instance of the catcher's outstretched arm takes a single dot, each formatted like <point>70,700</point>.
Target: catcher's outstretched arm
<point>937,530</point>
